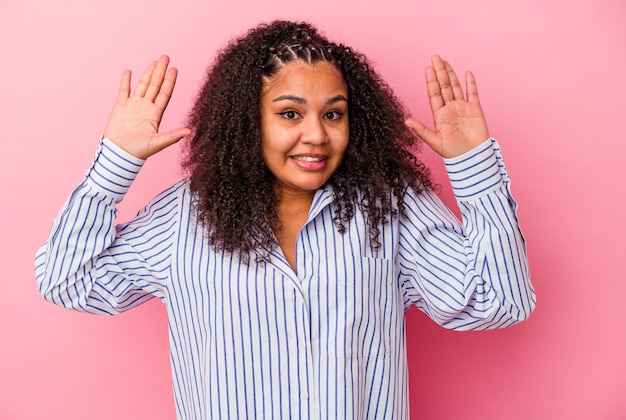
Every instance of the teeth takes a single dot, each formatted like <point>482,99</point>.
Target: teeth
<point>308,158</point>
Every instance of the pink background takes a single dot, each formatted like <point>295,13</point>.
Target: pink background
<point>552,81</point>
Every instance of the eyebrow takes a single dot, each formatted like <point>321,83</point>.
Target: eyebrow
<point>302,101</point>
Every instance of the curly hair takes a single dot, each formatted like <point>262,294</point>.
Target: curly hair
<point>234,192</point>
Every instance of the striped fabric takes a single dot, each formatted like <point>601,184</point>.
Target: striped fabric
<point>260,341</point>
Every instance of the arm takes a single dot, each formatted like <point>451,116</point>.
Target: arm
<point>474,275</point>
<point>88,263</point>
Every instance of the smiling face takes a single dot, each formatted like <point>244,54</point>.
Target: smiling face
<point>304,125</point>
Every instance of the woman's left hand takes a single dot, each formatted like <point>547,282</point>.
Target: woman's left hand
<point>459,120</point>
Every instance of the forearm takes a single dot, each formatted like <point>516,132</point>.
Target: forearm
<point>67,264</point>
<point>498,264</point>
<point>472,275</point>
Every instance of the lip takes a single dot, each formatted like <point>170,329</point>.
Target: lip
<point>310,161</point>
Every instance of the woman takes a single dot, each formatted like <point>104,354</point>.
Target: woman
<point>305,230</point>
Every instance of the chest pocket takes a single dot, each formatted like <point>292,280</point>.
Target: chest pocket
<point>362,310</point>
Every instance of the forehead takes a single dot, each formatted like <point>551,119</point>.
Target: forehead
<point>301,77</point>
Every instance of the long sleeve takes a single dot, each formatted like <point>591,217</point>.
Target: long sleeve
<point>473,275</point>
<point>91,265</point>
<point>325,341</point>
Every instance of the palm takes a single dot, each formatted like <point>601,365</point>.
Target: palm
<point>134,122</point>
<point>459,120</point>
<point>135,118</point>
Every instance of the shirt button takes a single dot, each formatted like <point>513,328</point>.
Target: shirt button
<point>305,396</point>
<point>301,346</point>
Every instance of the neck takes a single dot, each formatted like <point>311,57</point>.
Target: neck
<point>291,203</point>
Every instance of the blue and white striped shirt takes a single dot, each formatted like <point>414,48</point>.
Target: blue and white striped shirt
<point>263,341</point>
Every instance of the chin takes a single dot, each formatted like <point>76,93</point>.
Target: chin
<point>311,185</point>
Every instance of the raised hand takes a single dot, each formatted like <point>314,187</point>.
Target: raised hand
<point>134,122</point>
<point>459,120</point>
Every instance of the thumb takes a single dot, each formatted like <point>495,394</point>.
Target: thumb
<point>166,139</point>
<point>425,133</point>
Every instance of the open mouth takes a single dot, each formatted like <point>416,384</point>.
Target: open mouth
<point>309,158</point>
<point>310,162</point>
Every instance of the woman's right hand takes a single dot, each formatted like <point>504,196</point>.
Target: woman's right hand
<point>134,122</point>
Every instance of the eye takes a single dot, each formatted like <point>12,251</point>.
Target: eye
<point>290,115</point>
<point>333,115</point>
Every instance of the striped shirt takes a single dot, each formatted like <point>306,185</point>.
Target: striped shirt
<point>259,340</point>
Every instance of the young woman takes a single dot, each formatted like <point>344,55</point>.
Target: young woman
<point>306,229</point>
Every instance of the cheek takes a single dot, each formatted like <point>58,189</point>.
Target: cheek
<point>268,140</point>
<point>343,141</point>
<point>278,140</point>
<point>274,152</point>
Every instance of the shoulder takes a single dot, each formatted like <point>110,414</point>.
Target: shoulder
<point>180,188</point>
<point>175,196</point>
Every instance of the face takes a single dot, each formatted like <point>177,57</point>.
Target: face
<point>304,125</point>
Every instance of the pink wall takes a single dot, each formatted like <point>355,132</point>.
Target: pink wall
<point>552,78</point>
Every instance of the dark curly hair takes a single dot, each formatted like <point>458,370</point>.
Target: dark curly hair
<point>234,190</point>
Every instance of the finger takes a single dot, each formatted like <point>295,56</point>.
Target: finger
<point>124,91</point>
<point>443,79</point>
<point>471,87</point>
<point>166,139</point>
<point>433,89</point>
<point>165,93</point>
<point>144,82</point>
<point>429,136</point>
<point>157,77</point>
<point>457,90</point>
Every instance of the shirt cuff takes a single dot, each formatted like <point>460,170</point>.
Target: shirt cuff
<point>113,169</point>
<point>475,173</point>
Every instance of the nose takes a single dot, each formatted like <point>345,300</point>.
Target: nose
<point>314,132</point>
